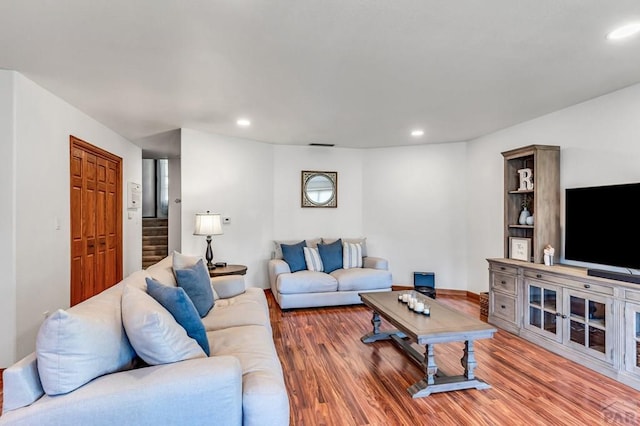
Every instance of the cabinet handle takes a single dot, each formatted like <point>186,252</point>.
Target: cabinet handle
<point>502,268</point>
<point>538,276</point>
<point>503,306</point>
<point>558,314</point>
<point>564,317</point>
<point>587,286</point>
<point>503,282</point>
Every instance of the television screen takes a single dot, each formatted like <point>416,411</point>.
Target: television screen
<point>600,225</point>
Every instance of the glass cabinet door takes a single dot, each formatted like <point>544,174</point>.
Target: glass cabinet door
<point>632,338</point>
<point>587,323</point>
<point>541,310</point>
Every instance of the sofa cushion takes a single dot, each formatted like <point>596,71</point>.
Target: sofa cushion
<point>88,340</point>
<point>163,271</point>
<point>361,279</point>
<point>177,302</point>
<point>294,256</point>
<point>351,255</point>
<point>228,286</point>
<point>277,253</point>
<point>196,283</point>
<point>306,282</point>
<point>249,308</point>
<point>360,240</point>
<point>154,333</point>
<point>331,255</point>
<point>264,394</point>
<point>313,259</point>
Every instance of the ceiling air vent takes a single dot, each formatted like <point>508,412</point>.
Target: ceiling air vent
<point>322,144</point>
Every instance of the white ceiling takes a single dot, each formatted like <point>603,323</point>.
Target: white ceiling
<point>351,73</point>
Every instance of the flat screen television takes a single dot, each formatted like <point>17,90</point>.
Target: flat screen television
<point>601,225</point>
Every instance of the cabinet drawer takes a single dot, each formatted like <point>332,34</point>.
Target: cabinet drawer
<point>571,283</point>
<point>503,282</point>
<point>504,306</point>
<point>504,269</point>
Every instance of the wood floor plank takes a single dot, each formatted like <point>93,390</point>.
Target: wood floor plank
<point>334,378</point>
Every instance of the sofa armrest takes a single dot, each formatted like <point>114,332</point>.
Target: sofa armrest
<point>21,384</point>
<point>228,285</point>
<point>375,263</point>
<point>197,391</point>
<point>277,267</point>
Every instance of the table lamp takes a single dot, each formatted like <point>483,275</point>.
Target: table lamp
<point>208,224</point>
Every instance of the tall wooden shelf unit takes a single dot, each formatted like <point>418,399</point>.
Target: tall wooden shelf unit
<point>543,199</point>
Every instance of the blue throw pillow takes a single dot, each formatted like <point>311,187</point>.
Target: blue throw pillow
<point>294,256</point>
<point>331,255</point>
<point>176,301</point>
<point>196,282</point>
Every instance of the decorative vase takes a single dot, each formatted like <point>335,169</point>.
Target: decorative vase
<point>524,214</point>
<point>530,220</point>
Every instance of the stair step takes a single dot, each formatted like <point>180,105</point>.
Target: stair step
<point>154,230</point>
<point>155,222</point>
<point>155,240</point>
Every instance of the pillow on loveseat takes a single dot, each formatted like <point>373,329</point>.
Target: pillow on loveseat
<point>88,340</point>
<point>293,254</point>
<point>331,255</point>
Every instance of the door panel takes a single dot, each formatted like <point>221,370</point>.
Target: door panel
<point>96,220</point>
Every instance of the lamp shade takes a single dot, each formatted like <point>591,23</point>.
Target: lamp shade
<point>208,224</point>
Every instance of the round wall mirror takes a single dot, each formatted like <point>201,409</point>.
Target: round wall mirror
<point>319,189</point>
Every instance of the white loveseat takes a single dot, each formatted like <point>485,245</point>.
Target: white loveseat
<point>240,383</point>
<point>309,288</point>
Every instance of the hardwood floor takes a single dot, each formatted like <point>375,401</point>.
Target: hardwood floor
<point>334,379</point>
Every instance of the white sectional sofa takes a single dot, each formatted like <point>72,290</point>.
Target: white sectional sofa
<point>308,288</point>
<point>239,383</point>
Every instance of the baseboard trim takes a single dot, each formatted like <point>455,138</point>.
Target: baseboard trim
<point>460,294</point>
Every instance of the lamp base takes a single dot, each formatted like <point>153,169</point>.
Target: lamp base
<point>209,254</point>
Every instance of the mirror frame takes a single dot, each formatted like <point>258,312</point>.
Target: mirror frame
<point>310,174</point>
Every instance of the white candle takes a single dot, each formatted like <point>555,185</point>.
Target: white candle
<point>405,297</point>
<point>419,307</point>
<point>427,310</point>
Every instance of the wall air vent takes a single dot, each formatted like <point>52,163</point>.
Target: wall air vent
<point>322,144</point>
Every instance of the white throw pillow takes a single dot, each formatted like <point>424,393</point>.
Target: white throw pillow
<point>351,255</point>
<point>88,340</point>
<point>153,332</point>
<point>313,259</point>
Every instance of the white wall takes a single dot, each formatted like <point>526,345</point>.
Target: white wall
<point>7,220</point>
<point>233,177</point>
<point>599,142</point>
<point>175,213</point>
<point>414,211</point>
<point>290,220</point>
<point>43,124</point>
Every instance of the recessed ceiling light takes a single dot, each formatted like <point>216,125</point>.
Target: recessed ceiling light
<point>624,31</point>
<point>243,122</point>
<point>417,133</point>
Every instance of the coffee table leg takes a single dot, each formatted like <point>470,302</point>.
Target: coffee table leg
<point>468,360</point>
<point>430,363</point>
<point>377,334</point>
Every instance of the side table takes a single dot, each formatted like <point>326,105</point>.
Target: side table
<point>228,270</point>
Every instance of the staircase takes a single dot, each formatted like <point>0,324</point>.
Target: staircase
<point>155,241</point>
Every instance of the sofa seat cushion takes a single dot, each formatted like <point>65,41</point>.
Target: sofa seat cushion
<point>249,308</point>
<point>360,279</point>
<point>306,282</point>
<point>264,394</point>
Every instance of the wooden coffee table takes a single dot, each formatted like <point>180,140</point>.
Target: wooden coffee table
<point>443,325</point>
